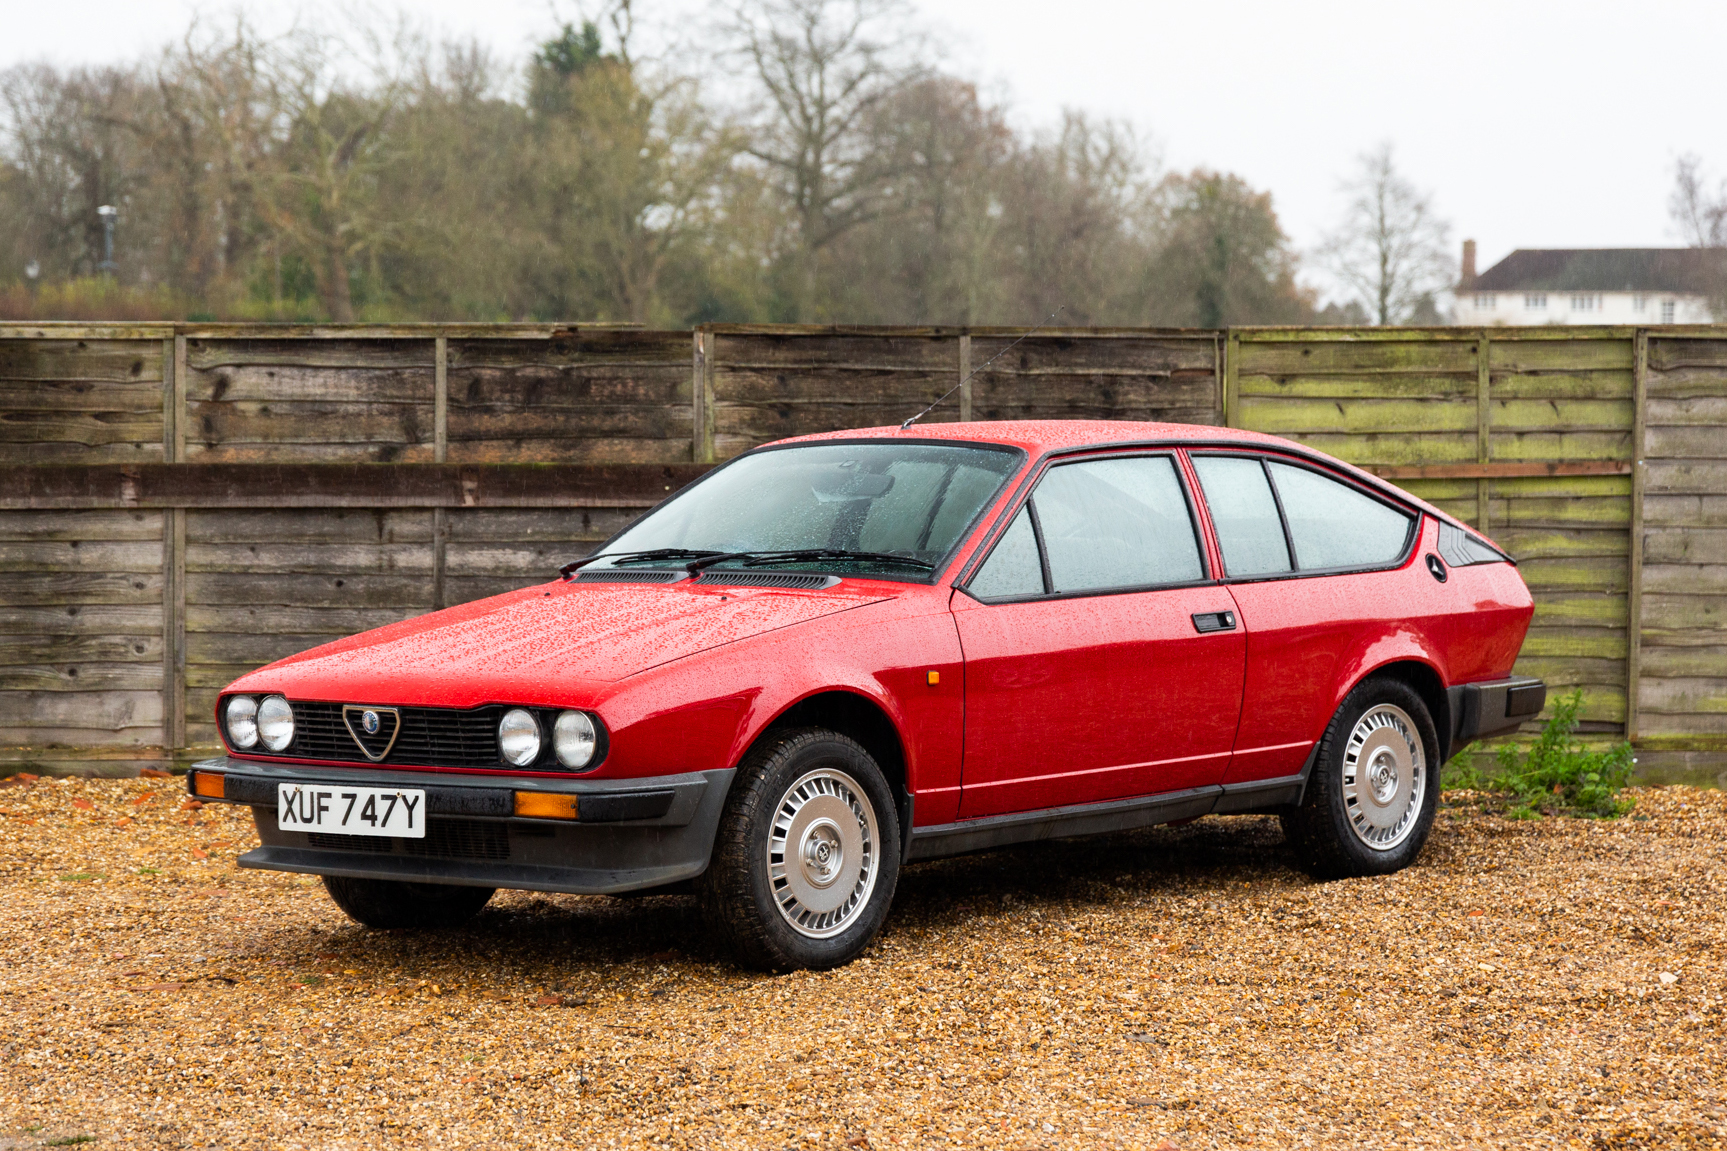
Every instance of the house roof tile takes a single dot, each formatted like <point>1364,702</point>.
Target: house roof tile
<point>1688,270</point>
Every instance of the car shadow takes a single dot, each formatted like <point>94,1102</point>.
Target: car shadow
<point>564,942</point>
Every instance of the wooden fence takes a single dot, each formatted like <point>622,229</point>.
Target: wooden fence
<point>180,503</point>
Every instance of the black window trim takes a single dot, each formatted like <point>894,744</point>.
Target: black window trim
<point>1266,456</point>
<point>931,577</point>
<point>1026,498</point>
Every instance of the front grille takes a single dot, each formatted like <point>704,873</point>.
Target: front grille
<point>430,736</point>
<point>462,839</point>
<point>445,839</point>
<point>374,843</point>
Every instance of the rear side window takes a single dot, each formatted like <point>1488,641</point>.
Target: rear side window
<point>1245,514</point>
<point>1097,525</point>
<point>1334,525</point>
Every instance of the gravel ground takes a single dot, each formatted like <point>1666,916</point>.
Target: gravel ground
<point>1556,983</point>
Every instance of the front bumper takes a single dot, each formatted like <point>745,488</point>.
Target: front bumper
<point>632,834</point>
<point>1480,710</point>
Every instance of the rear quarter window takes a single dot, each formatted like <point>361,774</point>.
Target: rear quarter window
<point>1334,525</point>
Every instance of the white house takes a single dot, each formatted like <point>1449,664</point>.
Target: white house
<point>1590,286</point>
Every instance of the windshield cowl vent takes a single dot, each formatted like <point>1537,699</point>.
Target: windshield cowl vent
<point>613,575</point>
<point>769,579</point>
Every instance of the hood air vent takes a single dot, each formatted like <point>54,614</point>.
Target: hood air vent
<point>769,579</point>
<point>613,575</point>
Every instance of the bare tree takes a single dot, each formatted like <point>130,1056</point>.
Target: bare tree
<point>1391,248</point>
<point>823,67</point>
<point>324,200</point>
<point>1699,214</point>
<point>1701,217</point>
<point>1223,257</point>
<point>1068,208</point>
<point>74,147</point>
<point>213,131</point>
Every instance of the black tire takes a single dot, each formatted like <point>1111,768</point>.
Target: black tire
<point>751,909</point>
<point>387,903</point>
<point>1356,795</point>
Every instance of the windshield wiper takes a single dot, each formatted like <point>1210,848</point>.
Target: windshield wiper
<point>637,557</point>
<point>758,559</point>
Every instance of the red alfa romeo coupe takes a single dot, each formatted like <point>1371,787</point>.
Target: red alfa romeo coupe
<point>838,654</point>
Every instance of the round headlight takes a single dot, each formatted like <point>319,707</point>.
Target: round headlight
<point>519,737</point>
<point>275,723</point>
<point>241,719</point>
<point>574,739</point>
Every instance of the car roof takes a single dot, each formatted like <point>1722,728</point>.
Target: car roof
<point>1041,437</point>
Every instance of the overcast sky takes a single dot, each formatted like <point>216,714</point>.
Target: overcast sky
<point>1533,124</point>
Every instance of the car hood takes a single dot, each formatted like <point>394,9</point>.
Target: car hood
<point>541,644</point>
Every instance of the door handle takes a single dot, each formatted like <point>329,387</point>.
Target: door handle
<point>1214,621</point>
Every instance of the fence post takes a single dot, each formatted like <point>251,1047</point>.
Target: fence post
<point>1634,597</point>
<point>698,385</point>
<point>965,377</point>
<point>702,399</point>
<point>1231,380</point>
<point>440,454</point>
<point>1483,425</point>
<point>173,552</point>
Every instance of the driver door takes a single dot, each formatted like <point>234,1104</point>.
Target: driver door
<point>1102,661</point>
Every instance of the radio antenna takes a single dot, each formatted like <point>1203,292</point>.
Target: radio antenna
<point>976,370</point>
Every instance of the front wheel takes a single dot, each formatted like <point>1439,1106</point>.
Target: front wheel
<point>806,856</point>
<point>397,903</point>
<point>1374,788</point>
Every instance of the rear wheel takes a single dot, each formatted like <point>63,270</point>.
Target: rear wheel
<point>806,856</point>
<point>1374,788</point>
<point>396,903</point>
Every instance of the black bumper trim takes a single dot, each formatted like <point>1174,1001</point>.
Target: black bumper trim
<point>471,873</point>
<point>1482,710</point>
<point>671,801</point>
<point>632,834</point>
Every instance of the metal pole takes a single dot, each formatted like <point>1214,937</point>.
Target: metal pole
<point>107,212</point>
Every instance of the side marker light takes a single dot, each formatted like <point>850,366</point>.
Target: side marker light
<point>934,678</point>
<point>209,785</point>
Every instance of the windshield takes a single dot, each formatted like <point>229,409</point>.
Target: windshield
<point>885,499</point>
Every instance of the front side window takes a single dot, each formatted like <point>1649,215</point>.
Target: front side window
<point>1117,523</point>
<point>1244,512</point>
<point>905,506</point>
<point>1334,525</point>
<point>1098,525</point>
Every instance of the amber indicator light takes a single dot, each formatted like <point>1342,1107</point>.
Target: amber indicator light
<point>209,785</point>
<point>934,678</point>
<point>545,805</point>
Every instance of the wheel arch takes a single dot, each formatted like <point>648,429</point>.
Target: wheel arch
<point>1424,679</point>
<point>854,714</point>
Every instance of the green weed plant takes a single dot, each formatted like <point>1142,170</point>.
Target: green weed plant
<point>1556,775</point>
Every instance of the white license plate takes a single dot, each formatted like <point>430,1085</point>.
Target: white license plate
<point>332,809</point>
